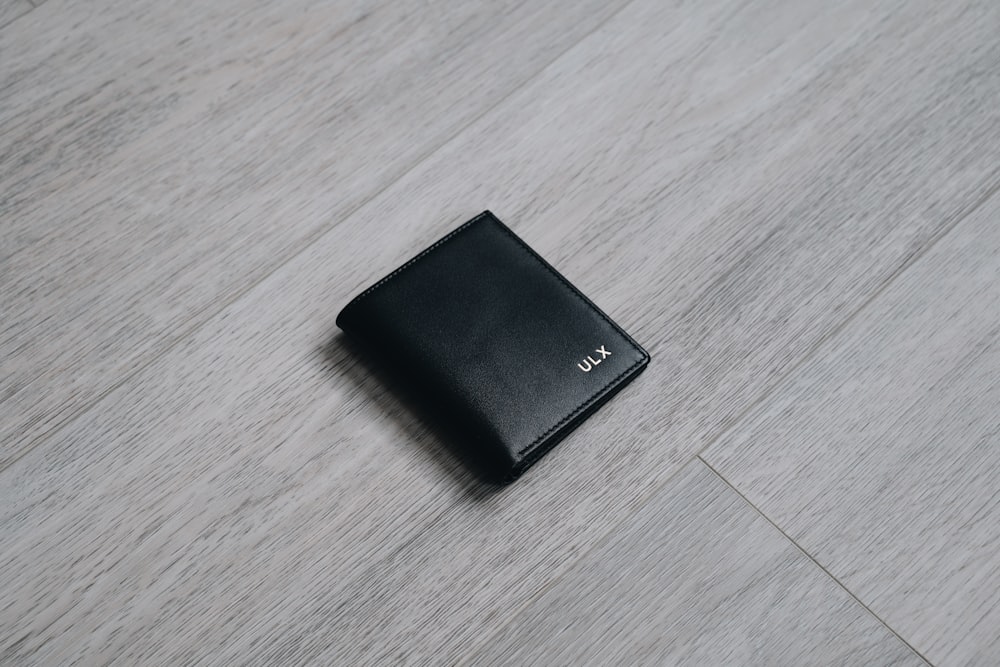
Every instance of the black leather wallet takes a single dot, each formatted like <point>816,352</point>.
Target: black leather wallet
<point>506,355</point>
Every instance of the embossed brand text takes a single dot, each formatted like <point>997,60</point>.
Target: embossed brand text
<point>588,364</point>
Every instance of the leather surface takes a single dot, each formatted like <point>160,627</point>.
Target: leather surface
<point>499,349</point>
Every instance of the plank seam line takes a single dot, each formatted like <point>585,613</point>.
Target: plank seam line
<point>785,377</point>
<point>808,555</point>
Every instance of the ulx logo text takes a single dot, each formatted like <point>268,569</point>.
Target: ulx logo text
<point>588,364</point>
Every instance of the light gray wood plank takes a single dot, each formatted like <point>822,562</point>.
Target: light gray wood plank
<point>695,577</point>
<point>729,182</point>
<point>12,9</point>
<point>157,159</point>
<point>811,240</point>
<point>881,456</point>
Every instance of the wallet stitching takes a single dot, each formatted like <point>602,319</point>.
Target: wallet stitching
<point>578,294</point>
<point>569,287</point>
<point>572,288</point>
<point>538,451</point>
<point>583,406</point>
<point>413,260</point>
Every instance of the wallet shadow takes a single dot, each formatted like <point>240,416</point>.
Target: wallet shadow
<point>424,426</point>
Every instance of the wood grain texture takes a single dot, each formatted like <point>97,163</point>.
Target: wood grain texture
<point>12,9</point>
<point>695,577</point>
<point>881,457</point>
<point>811,240</point>
<point>157,159</point>
<point>728,182</point>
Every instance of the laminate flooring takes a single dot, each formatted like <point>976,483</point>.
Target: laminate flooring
<point>791,205</point>
<point>137,228</point>
<point>880,456</point>
<point>11,9</point>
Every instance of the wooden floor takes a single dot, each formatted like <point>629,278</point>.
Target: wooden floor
<point>793,205</point>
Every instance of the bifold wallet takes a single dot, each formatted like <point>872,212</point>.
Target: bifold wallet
<point>504,354</point>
